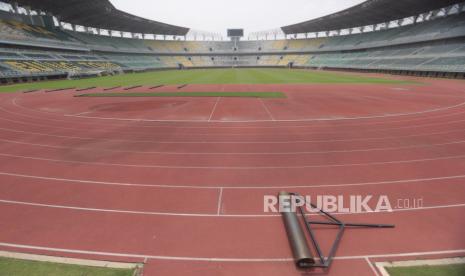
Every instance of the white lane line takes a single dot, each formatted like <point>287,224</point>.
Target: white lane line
<point>386,129</point>
<point>235,142</point>
<point>212,215</point>
<point>288,120</point>
<point>376,131</point>
<point>140,166</point>
<point>410,254</point>
<point>382,270</point>
<point>415,263</point>
<point>418,146</point>
<point>220,199</point>
<point>267,110</point>
<point>69,261</point>
<point>251,187</point>
<point>214,109</point>
<point>213,259</point>
<point>367,259</point>
<point>83,113</point>
<point>12,202</point>
<point>305,126</point>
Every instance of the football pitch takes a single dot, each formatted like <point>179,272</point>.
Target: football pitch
<point>208,76</point>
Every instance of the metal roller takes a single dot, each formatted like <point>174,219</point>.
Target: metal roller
<point>297,239</point>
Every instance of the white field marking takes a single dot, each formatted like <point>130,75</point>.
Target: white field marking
<point>255,121</point>
<point>235,142</point>
<point>214,109</point>
<point>234,167</point>
<point>105,183</point>
<point>254,134</point>
<point>225,260</point>
<point>84,113</point>
<point>220,199</point>
<point>386,129</point>
<point>382,270</point>
<point>287,120</point>
<point>300,120</point>
<point>196,127</point>
<point>267,110</point>
<point>411,254</point>
<point>449,261</point>
<point>233,187</point>
<point>373,98</point>
<point>211,215</point>
<point>68,261</point>
<point>233,153</point>
<point>367,259</point>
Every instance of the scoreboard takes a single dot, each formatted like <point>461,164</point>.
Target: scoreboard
<point>235,32</point>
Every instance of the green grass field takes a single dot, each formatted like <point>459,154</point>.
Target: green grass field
<point>207,76</point>
<point>446,270</point>
<point>263,95</point>
<point>10,267</point>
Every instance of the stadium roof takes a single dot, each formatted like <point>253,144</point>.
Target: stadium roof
<point>100,14</point>
<point>368,13</point>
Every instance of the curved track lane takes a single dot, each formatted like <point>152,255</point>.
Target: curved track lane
<point>185,179</point>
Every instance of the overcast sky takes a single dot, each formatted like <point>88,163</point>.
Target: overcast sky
<point>219,15</point>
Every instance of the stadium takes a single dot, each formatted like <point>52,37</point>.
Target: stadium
<point>131,146</point>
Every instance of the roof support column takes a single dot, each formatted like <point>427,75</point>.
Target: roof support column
<point>15,7</point>
<point>28,13</point>
<point>28,10</point>
<point>447,10</point>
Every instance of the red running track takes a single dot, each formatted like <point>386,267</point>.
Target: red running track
<point>179,183</point>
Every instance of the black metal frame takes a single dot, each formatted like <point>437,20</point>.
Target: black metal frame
<point>325,262</point>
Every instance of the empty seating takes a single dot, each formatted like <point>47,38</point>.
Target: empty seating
<point>435,45</point>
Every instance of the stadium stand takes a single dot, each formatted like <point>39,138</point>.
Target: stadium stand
<point>435,44</point>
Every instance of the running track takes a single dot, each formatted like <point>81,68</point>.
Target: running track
<point>179,183</point>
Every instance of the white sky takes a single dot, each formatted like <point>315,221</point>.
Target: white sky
<point>219,15</point>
